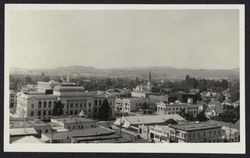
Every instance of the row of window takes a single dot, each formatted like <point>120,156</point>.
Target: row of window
<point>203,134</point>
<point>41,113</point>
<point>44,104</point>
<point>172,109</point>
<point>79,127</point>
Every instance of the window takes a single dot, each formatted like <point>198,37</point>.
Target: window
<point>32,105</point>
<point>76,106</point>
<point>193,135</point>
<point>89,104</point>
<point>49,112</point>
<point>44,104</point>
<point>210,133</point>
<point>95,102</point>
<point>31,113</point>
<point>204,134</point>
<point>76,112</point>
<point>89,110</point>
<point>81,105</point>
<point>44,113</point>
<point>100,102</point>
<point>39,104</point>
<point>46,131</point>
<point>71,112</point>
<point>39,113</point>
<point>71,105</point>
<point>50,104</point>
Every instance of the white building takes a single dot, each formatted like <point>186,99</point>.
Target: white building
<point>130,105</point>
<point>174,108</point>
<point>36,105</point>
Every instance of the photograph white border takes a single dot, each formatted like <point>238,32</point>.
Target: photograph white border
<point>233,148</point>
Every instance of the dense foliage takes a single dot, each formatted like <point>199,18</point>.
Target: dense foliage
<point>104,111</point>
<point>58,109</point>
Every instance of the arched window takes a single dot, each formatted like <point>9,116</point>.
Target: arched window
<point>39,104</point>
<point>44,104</point>
<point>50,104</point>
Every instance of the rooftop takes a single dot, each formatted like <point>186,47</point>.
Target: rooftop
<point>150,119</point>
<point>227,124</point>
<point>81,133</point>
<point>193,126</point>
<point>22,131</point>
<point>28,139</point>
<point>72,119</point>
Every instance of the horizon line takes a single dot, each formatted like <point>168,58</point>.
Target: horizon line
<point>129,67</point>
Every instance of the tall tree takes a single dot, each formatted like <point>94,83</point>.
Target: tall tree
<point>201,116</point>
<point>58,109</point>
<point>104,111</point>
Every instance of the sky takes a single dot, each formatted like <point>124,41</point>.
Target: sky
<point>198,39</point>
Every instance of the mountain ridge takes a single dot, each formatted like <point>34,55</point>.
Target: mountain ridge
<point>158,72</point>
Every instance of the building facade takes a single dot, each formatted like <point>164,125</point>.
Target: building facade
<point>39,105</point>
<point>174,108</point>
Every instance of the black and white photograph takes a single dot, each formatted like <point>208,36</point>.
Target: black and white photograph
<point>124,78</point>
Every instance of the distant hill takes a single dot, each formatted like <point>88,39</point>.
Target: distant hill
<point>133,72</point>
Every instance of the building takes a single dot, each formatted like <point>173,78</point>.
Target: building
<point>39,105</point>
<point>98,134</point>
<point>28,140</point>
<point>130,105</point>
<point>133,122</point>
<point>214,103</point>
<point>143,90</point>
<point>46,87</point>
<point>195,132</point>
<point>18,133</point>
<point>73,123</point>
<point>231,132</point>
<point>213,111</point>
<point>13,100</point>
<point>38,125</point>
<point>164,108</point>
<point>34,105</point>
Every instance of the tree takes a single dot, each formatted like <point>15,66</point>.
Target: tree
<point>104,111</point>
<point>186,115</point>
<point>58,109</point>
<point>201,116</point>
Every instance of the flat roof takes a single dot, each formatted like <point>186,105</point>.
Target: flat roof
<point>151,119</point>
<point>22,131</point>
<point>25,124</point>
<point>80,133</point>
<point>193,126</point>
<point>72,119</point>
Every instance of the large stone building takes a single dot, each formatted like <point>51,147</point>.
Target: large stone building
<point>39,105</point>
<point>13,100</point>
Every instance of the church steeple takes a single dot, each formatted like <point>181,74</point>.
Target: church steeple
<point>149,81</point>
